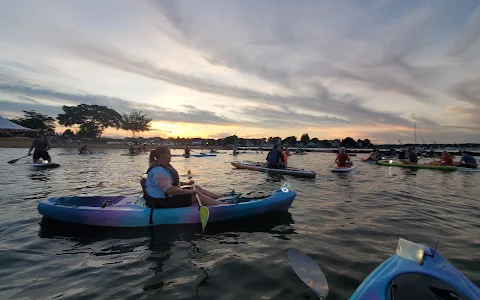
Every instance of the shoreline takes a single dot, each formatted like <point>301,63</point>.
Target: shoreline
<point>27,142</point>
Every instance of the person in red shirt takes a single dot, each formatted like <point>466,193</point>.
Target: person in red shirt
<point>446,160</point>
<point>342,159</point>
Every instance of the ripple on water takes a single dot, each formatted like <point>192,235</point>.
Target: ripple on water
<point>349,223</point>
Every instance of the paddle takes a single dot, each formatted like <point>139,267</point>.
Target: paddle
<point>15,160</point>
<point>309,272</point>
<point>204,212</point>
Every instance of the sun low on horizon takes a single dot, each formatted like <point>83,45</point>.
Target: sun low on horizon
<point>357,69</point>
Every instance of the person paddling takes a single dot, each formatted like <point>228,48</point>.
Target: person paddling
<point>467,161</point>
<point>275,159</point>
<point>131,149</point>
<point>342,159</point>
<point>162,185</point>
<point>187,151</point>
<point>41,145</point>
<point>375,155</point>
<point>84,150</point>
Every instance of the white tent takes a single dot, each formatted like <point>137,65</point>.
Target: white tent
<point>9,125</point>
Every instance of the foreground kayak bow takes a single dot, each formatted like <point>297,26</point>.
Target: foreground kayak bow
<point>412,259</point>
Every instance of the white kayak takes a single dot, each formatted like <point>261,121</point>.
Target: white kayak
<point>49,165</point>
<point>338,169</point>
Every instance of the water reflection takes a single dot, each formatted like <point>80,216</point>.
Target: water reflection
<point>40,175</point>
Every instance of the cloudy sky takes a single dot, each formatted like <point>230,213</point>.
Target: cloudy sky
<point>331,68</point>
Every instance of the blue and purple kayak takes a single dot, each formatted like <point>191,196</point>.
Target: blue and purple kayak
<point>131,211</point>
<point>423,262</point>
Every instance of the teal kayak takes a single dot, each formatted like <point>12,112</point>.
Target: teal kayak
<point>415,259</point>
<point>415,272</point>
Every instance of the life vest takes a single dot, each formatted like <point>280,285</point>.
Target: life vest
<point>170,169</point>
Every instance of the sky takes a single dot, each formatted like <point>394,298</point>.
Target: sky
<point>332,69</point>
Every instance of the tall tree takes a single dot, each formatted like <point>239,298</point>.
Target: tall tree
<point>34,120</point>
<point>68,133</point>
<point>305,139</point>
<point>93,119</point>
<point>348,142</point>
<point>136,122</point>
<point>290,141</point>
<point>366,143</point>
<point>274,140</point>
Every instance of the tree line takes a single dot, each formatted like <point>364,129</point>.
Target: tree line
<point>304,141</point>
<point>92,121</point>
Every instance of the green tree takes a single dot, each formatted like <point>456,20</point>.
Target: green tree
<point>326,144</point>
<point>290,141</point>
<point>136,122</point>
<point>305,139</point>
<point>274,140</point>
<point>34,120</point>
<point>348,142</point>
<point>93,119</point>
<point>229,140</point>
<point>366,143</point>
<point>360,143</point>
<point>68,133</point>
<point>315,141</point>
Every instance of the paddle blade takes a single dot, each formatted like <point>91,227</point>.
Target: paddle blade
<point>15,160</point>
<point>204,214</point>
<point>309,272</point>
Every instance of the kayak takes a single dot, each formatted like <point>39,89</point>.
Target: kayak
<point>49,165</point>
<point>414,260</point>
<point>131,211</point>
<point>194,155</point>
<point>368,161</point>
<point>129,154</point>
<point>258,166</point>
<point>417,166</point>
<point>202,154</point>
<point>338,169</point>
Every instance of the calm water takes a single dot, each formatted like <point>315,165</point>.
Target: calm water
<point>349,223</point>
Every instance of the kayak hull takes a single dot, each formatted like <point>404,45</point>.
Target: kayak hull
<point>368,161</point>
<point>130,211</point>
<point>46,165</point>
<point>377,286</point>
<point>337,169</point>
<point>257,166</point>
<point>417,166</point>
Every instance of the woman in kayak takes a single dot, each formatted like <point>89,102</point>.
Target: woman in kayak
<point>446,159</point>
<point>41,145</point>
<point>342,159</point>
<point>162,186</point>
